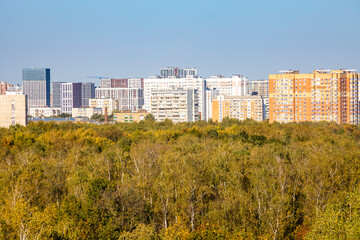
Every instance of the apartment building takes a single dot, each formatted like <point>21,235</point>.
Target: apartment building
<point>177,72</point>
<point>86,112</point>
<point>260,87</point>
<point>129,117</point>
<point>13,109</point>
<point>110,104</point>
<point>324,95</point>
<point>238,107</point>
<point>128,98</point>
<point>176,104</point>
<point>127,83</point>
<point>237,85</point>
<point>44,112</point>
<point>190,82</point>
<point>4,86</point>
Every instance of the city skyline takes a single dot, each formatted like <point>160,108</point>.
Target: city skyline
<point>131,39</point>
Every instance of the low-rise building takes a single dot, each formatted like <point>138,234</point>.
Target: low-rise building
<point>128,116</point>
<point>44,112</point>
<point>86,112</point>
<point>238,107</point>
<point>111,104</point>
<point>13,109</point>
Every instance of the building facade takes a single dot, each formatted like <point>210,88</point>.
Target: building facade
<point>88,92</point>
<point>13,109</point>
<point>44,112</point>
<point>110,104</point>
<point>86,112</point>
<point>128,98</point>
<point>238,107</point>
<point>177,72</point>
<point>154,83</point>
<point>260,87</point>
<point>236,85</point>
<point>71,97</point>
<point>129,117</point>
<point>4,86</point>
<point>323,95</point>
<point>178,105</point>
<point>36,85</point>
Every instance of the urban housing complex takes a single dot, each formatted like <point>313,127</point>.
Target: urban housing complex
<point>182,96</point>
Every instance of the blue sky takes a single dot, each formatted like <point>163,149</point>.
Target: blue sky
<point>135,38</point>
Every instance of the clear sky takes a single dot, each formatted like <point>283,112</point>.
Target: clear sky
<point>135,38</point>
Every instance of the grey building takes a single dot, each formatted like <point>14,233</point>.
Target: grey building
<point>36,85</point>
<point>56,94</point>
<point>177,72</point>
<point>88,92</point>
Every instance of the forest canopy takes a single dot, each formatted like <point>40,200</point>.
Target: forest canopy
<point>159,180</point>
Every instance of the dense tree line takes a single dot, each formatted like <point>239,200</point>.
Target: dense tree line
<point>148,180</point>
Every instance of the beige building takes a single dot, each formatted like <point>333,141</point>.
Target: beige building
<point>238,107</point>
<point>110,104</point>
<point>324,95</point>
<point>260,87</point>
<point>13,110</point>
<point>86,112</point>
<point>128,116</point>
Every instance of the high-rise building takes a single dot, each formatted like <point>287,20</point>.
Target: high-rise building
<point>177,72</point>
<point>127,83</point>
<point>36,85</point>
<point>56,90</point>
<point>70,96</point>
<point>178,105</point>
<point>190,82</point>
<point>88,92</point>
<point>128,98</point>
<point>13,109</point>
<point>236,85</point>
<point>238,107</point>
<point>323,95</point>
<point>260,87</point>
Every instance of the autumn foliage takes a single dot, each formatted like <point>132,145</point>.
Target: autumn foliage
<point>148,180</point>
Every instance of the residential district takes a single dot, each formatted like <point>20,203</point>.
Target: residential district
<point>180,95</point>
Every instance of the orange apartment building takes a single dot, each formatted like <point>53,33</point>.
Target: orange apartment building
<point>238,107</point>
<point>4,87</point>
<point>324,95</point>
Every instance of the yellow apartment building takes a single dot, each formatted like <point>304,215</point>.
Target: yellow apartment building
<point>324,95</point>
<point>238,107</point>
<point>128,116</point>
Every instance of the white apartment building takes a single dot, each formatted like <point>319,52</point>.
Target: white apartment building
<point>236,85</point>
<point>87,112</point>
<point>44,112</point>
<point>190,82</point>
<point>128,98</point>
<point>110,104</point>
<point>67,98</point>
<point>178,105</point>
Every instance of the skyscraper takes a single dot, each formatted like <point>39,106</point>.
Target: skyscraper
<point>36,85</point>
